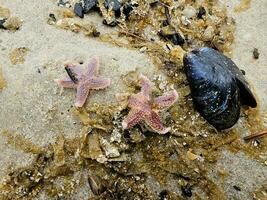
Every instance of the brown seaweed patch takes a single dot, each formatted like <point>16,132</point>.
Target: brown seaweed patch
<point>260,193</point>
<point>17,56</point>
<point>243,6</point>
<point>4,13</point>
<point>13,23</point>
<point>20,143</point>
<point>100,116</point>
<point>2,80</point>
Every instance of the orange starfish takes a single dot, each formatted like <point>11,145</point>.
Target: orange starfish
<point>147,110</point>
<point>83,80</point>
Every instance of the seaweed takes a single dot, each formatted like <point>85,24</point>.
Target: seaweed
<point>185,155</point>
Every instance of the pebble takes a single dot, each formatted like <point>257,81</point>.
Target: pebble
<point>186,191</point>
<point>78,10</point>
<point>201,12</point>
<point>237,188</point>
<point>189,12</point>
<point>163,195</point>
<point>243,71</point>
<point>208,33</point>
<point>256,53</point>
<point>53,17</point>
<point>185,21</point>
<point>111,151</point>
<point>63,3</point>
<point>143,49</point>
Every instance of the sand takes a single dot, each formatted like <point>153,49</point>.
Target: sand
<point>34,106</point>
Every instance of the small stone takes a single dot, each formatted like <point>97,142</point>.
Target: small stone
<point>237,188</point>
<point>143,49</point>
<point>186,191</point>
<point>256,143</point>
<point>243,71</point>
<point>111,24</point>
<point>52,16</point>
<point>185,21</point>
<point>256,53</point>
<point>208,33</point>
<point>78,10</point>
<point>63,3</point>
<point>163,195</point>
<point>189,12</point>
<point>201,12</point>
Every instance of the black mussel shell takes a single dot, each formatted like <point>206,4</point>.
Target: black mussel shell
<point>218,87</point>
<point>89,5</point>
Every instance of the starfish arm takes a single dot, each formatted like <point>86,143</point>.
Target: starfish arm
<point>153,121</point>
<point>146,85</point>
<point>92,67</point>
<point>81,96</point>
<point>166,100</point>
<point>98,83</point>
<point>66,82</point>
<point>133,118</point>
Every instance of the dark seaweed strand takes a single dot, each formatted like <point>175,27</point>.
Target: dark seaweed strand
<point>71,74</point>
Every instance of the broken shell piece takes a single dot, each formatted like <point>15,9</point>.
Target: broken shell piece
<point>111,150</point>
<point>91,147</point>
<point>96,184</point>
<point>208,33</point>
<point>189,12</point>
<point>191,155</point>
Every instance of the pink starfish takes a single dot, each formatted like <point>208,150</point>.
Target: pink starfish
<point>83,80</point>
<point>147,110</point>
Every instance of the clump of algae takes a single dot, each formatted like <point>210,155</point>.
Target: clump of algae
<point>17,56</point>
<point>243,6</point>
<point>186,155</point>
<point>2,80</point>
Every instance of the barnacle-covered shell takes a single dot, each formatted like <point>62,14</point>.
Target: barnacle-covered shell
<point>218,87</point>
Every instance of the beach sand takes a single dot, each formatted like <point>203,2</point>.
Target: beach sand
<point>34,106</point>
